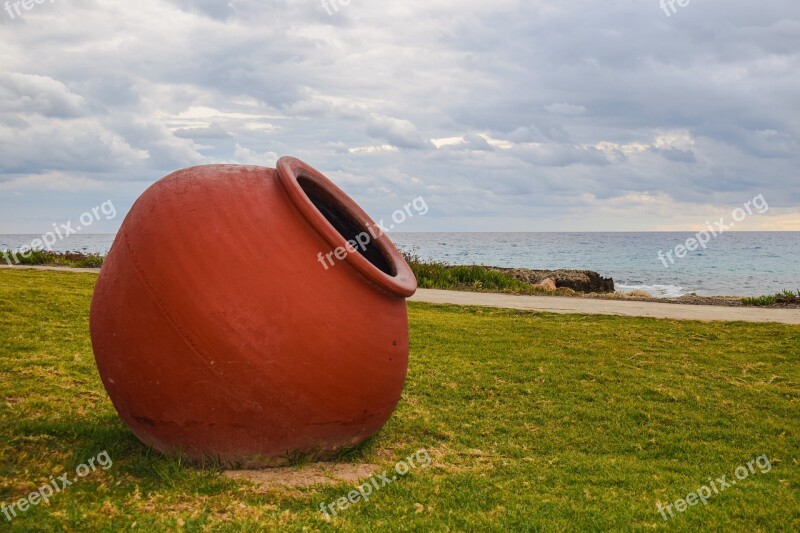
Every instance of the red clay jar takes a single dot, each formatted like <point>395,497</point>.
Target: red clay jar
<point>219,333</point>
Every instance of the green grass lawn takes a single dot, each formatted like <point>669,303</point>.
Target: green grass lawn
<point>533,422</point>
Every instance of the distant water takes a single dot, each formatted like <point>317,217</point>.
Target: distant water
<point>735,263</point>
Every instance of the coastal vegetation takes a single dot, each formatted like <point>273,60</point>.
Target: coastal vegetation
<point>782,298</point>
<point>433,275</point>
<point>46,258</point>
<point>533,421</point>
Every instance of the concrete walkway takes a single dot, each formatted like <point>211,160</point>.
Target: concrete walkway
<point>589,306</point>
<point>586,306</point>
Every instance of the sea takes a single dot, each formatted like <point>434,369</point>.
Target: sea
<point>731,264</point>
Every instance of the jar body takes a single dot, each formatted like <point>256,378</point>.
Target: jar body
<point>219,334</point>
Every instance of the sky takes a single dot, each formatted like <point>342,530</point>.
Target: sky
<point>504,115</point>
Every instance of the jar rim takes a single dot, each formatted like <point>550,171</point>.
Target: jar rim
<point>402,283</point>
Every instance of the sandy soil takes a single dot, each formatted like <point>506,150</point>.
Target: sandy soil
<point>306,475</point>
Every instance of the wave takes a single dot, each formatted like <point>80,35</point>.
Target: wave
<point>659,291</point>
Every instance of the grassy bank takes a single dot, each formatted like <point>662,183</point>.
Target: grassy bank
<point>533,421</point>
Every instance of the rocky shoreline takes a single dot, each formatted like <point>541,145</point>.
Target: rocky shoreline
<point>585,281</point>
<point>590,284</point>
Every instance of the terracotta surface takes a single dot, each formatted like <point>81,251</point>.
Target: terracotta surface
<point>218,332</point>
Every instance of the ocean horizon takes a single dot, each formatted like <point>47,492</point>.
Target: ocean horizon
<point>730,264</point>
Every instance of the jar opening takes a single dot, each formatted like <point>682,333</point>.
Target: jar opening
<point>347,226</point>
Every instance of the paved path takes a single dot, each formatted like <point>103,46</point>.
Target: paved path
<point>587,306</point>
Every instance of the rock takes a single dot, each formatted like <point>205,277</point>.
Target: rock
<point>578,280</point>
<point>548,284</point>
<point>638,293</point>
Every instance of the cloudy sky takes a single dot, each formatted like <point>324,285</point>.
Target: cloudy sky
<point>505,115</point>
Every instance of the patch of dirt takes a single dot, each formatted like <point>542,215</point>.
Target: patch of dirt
<point>693,299</point>
<point>293,477</point>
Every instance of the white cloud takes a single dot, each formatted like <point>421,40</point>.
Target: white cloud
<point>494,110</point>
<point>246,156</point>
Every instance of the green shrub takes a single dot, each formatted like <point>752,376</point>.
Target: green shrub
<point>45,258</point>
<point>784,297</point>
